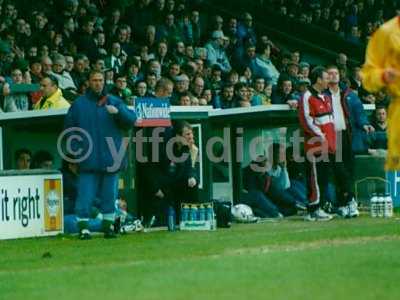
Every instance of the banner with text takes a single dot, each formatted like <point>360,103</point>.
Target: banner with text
<point>30,206</point>
<point>152,112</point>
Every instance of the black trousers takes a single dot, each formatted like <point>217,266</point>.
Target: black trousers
<point>319,170</point>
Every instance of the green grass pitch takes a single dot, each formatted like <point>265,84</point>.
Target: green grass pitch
<point>290,259</point>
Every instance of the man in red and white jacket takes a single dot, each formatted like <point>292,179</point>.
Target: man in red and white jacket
<point>317,121</point>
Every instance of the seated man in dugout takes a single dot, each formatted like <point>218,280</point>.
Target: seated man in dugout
<point>172,179</point>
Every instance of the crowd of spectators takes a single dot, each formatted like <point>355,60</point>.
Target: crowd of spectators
<point>354,20</point>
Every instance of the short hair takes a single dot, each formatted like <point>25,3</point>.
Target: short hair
<point>21,151</point>
<point>328,67</point>
<point>316,73</point>
<point>163,83</point>
<point>180,125</point>
<point>184,94</point>
<point>40,157</point>
<point>94,72</point>
<point>227,86</point>
<point>53,79</point>
<point>240,85</point>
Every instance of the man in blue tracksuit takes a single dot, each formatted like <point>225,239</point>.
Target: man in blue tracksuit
<point>95,121</point>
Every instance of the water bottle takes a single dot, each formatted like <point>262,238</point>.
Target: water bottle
<point>193,213</point>
<point>171,219</point>
<point>209,213</point>
<point>388,206</point>
<point>202,213</point>
<point>185,211</point>
<point>381,206</point>
<point>373,206</point>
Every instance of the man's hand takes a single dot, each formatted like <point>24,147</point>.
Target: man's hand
<point>160,194</point>
<point>192,182</point>
<point>293,104</point>
<point>390,75</point>
<point>368,128</point>
<point>6,90</point>
<point>112,110</point>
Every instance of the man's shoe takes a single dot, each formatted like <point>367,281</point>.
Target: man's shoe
<point>321,215</point>
<point>353,209</point>
<point>84,234</point>
<point>300,206</point>
<point>343,211</point>
<point>109,229</point>
<point>309,217</point>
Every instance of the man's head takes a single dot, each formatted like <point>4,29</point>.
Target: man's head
<point>96,82</point>
<point>47,64</point>
<point>48,85</point>
<point>120,82</point>
<point>341,59</point>
<point>151,80</point>
<point>99,65</point>
<point>182,83</point>
<point>141,88</point>
<point>59,64</point>
<point>198,86</point>
<point>164,88</point>
<point>16,75</point>
<point>43,160</point>
<point>23,159</point>
<point>79,64</point>
<point>319,78</point>
<point>334,76</point>
<point>259,84</point>
<point>381,114</point>
<point>241,91</point>
<point>162,49</point>
<point>185,130</point>
<point>285,84</point>
<point>228,92</point>
<point>116,49</point>
<point>88,26</point>
<point>184,99</point>
<point>69,63</point>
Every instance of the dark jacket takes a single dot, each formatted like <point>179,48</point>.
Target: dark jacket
<point>101,127</point>
<point>167,174</point>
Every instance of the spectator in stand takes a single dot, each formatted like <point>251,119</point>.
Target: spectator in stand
<point>121,89</point>
<point>184,99</point>
<point>141,89</point>
<point>23,158</point>
<point>245,30</point>
<point>78,74</point>
<point>64,78</point>
<point>227,98</point>
<point>216,53</point>
<point>151,81</point>
<point>47,65</point>
<point>304,70</point>
<point>242,97</point>
<point>113,61</point>
<point>14,99</point>
<point>263,66</point>
<point>181,87</point>
<point>198,87</point>
<point>284,94</point>
<point>43,160</point>
<point>260,98</point>
<point>85,39</point>
<point>52,95</point>
<point>379,138</point>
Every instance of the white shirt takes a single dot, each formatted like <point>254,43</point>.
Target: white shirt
<point>338,113</point>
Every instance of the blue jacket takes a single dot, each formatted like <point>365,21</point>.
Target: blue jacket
<point>102,128</point>
<point>357,119</point>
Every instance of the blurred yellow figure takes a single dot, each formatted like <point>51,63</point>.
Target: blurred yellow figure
<point>382,71</point>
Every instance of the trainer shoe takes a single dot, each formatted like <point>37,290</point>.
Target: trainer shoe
<point>109,229</point>
<point>318,215</point>
<point>84,234</point>
<point>353,209</point>
<point>300,206</point>
<point>343,211</point>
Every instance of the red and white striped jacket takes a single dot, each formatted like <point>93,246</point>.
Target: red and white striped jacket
<point>316,120</point>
